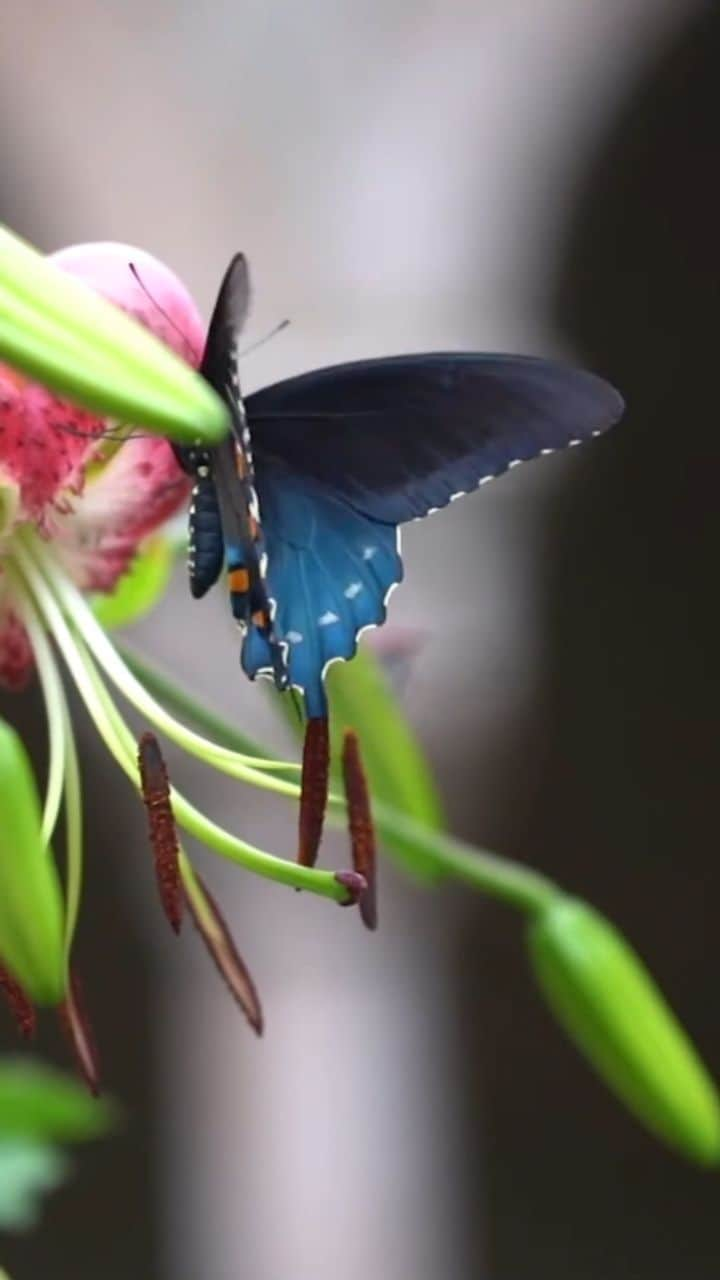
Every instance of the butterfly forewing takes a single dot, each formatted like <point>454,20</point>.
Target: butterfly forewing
<point>399,437</point>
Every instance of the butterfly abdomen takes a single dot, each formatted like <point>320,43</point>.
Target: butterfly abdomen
<point>206,538</point>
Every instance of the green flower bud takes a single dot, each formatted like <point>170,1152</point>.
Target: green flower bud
<point>607,1001</point>
<point>31,905</point>
<point>61,333</point>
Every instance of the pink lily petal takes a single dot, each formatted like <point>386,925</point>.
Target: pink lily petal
<point>140,488</point>
<point>44,442</point>
<point>16,658</point>
<point>153,294</point>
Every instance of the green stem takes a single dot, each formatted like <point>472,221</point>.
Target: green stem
<point>60,729</point>
<point>121,744</point>
<point>82,619</point>
<point>502,878</point>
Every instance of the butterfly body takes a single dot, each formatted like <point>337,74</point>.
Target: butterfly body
<point>304,500</point>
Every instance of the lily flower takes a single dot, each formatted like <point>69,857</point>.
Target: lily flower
<point>78,503</point>
<point>77,510</point>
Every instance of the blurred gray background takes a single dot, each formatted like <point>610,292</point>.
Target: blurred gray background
<point>488,174</point>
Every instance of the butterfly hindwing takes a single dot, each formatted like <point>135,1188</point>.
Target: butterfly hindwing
<point>330,569</point>
<point>399,437</point>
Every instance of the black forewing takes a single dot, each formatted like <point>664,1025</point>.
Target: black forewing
<point>398,437</point>
<point>220,358</point>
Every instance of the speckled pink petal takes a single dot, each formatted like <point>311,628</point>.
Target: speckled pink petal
<point>140,488</point>
<point>16,657</point>
<point>44,442</point>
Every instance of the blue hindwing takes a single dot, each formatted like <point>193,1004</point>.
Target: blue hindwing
<point>330,569</point>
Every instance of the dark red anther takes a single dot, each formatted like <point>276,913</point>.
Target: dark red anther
<point>78,1030</point>
<point>314,792</point>
<point>18,1003</point>
<point>230,965</point>
<point>161,825</point>
<point>362,831</point>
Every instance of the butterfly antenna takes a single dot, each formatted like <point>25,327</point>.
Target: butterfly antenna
<point>136,275</point>
<point>112,433</point>
<point>261,341</point>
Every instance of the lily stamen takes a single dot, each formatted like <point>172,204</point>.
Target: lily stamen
<point>313,790</point>
<point>215,934</point>
<point>21,1008</point>
<point>80,1035</point>
<point>360,823</point>
<point>155,789</point>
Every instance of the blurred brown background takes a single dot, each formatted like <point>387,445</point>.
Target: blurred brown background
<point>484,174</point>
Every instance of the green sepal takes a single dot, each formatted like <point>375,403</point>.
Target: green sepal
<point>607,1001</point>
<point>40,1103</point>
<point>31,904</point>
<point>58,331</point>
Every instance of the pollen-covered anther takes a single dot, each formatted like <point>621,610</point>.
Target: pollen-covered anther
<point>81,1038</point>
<point>161,825</point>
<point>360,823</point>
<point>219,941</point>
<point>314,789</point>
<point>18,1003</point>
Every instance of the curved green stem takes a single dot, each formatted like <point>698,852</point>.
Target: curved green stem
<point>121,743</point>
<point>83,620</point>
<point>54,699</point>
<point>60,729</point>
<point>502,878</point>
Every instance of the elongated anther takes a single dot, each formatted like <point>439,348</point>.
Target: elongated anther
<point>360,823</point>
<point>219,941</point>
<point>314,789</point>
<point>19,1005</point>
<point>161,825</point>
<point>81,1038</point>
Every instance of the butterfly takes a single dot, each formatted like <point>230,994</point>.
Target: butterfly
<point>301,504</point>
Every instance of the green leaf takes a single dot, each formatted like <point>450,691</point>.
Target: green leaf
<point>55,329</point>
<point>360,698</point>
<point>139,589</point>
<point>40,1103</point>
<point>31,906</point>
<point>608,1003</point>
<point>28,1171</point>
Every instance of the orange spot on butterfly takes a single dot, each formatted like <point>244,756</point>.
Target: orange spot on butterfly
<point>239,580</point>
